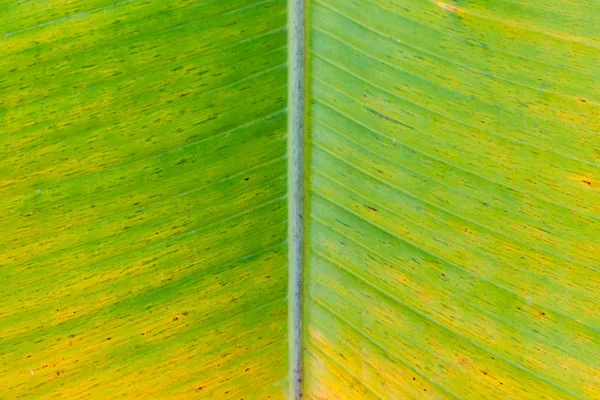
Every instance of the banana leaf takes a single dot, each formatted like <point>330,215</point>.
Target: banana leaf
<point>320,199</point>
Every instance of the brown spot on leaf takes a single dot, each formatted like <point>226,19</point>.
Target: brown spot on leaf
<point>448,7</point>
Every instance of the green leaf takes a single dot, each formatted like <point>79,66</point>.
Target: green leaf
<point>143,188</point>
<point>166,193</point>
<point>453,227</point>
